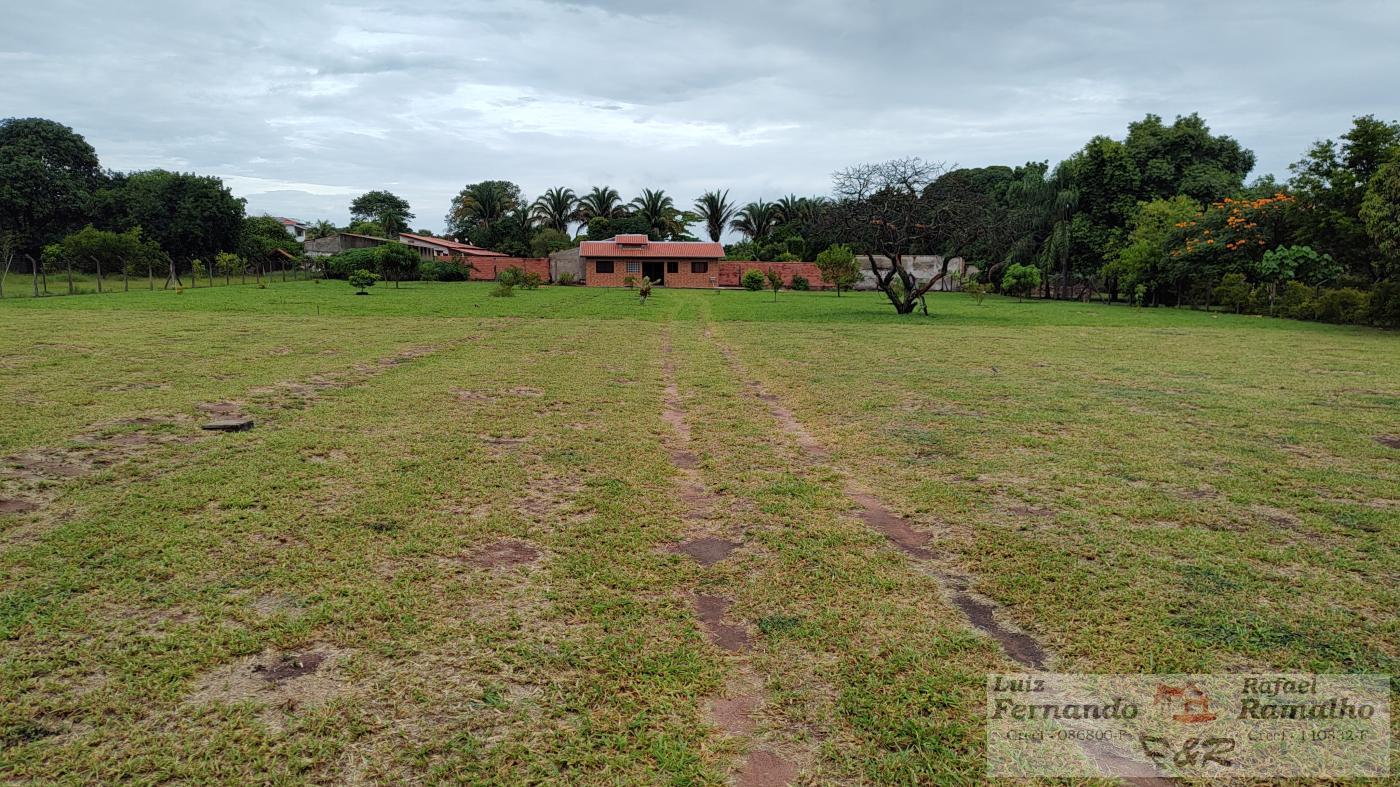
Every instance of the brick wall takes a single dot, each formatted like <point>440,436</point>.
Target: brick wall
<point>731,272</point>
<point>488,267</point>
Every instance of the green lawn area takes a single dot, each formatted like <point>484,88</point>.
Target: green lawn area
<point>448,550</point>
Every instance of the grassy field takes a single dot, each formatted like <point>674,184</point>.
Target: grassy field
<point>567,537</point>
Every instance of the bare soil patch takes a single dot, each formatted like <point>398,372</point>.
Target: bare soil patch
<point>504,553</point>
<point>707,550</point>
<point>1389,441</point>
<point>526,391</point>
<point>50,464</point>
<point>1031,511</point>
<point>1020,647</point>
<point>763,768</point>
<point>735,715</point>
<point>711,610</point>
<point>281,681</point>
<point>16,506</point>
<point>891,525</point>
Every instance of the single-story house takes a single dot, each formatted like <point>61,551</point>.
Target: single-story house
<point>607,263</point>
<point>433,247</point>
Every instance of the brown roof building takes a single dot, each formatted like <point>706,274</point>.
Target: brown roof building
<point>607,263</point>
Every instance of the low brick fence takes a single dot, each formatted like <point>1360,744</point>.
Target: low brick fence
<point>487,268</point>
<point>731,272</point>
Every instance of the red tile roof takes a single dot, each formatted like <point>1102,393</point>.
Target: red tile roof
<point>639,246</point>
<point>453,247</point>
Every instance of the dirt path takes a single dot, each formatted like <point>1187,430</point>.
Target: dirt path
<point>735,710</point>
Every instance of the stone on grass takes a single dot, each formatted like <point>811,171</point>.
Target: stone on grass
<point>229,425</point>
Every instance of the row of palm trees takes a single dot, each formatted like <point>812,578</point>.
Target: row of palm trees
<point>559,207</point>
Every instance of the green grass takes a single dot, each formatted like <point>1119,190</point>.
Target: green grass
<point>1144,490</point>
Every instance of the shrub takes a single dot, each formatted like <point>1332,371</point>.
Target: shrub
<point>1020,279</point>
<point>1385,305</point>
<point>515,276</point>
<point>442,270</point>
<point>1296,301</point>
<point>340,266</point>
<point>502,290</point>
<point>362,279</point>
<point>566,278</point>
<point>800,283</point>
<point>752,279</point>
<point>787,256</point>
<point>1347,305</point>
<point>1233,292</point>
<point>977,290</point>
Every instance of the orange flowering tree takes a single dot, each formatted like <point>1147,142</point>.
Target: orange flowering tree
<point>1230,236</point>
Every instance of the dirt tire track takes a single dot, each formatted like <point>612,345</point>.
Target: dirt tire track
<point>980,613</point>
<point>733,712</point>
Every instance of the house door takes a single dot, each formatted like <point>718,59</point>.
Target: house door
<point>656,271</point>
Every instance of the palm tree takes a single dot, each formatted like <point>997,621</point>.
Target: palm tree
<point>555,208</point>
<point>602,202</point>
<point>659,212</point>
<point>321,229</point>
<point>715,209</point>
<point>756,220</point>
<point>483,204</point>
<point>789,208</point>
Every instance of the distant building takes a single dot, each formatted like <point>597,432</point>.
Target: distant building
<point>297,229</point>
<point>608,263</point>
<point>433,247</point>
<point>341,241</point>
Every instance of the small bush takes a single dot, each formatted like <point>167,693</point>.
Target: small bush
<point>753,279</point>
<point>799,282</point>
<point>442,270</point>
<point>566,278</point>
<point>629,281</point>
<point>1384,309</point>
<point>1233,292</point>
<point>362,280</point>
<point>1020,279</point>
<point>1347,305</point>
<point>502,290</point>
<point>1295,302</point>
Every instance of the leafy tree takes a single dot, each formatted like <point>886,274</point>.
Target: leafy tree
<point>189,216</point>
<point>1020,280</point>
<point>1297,262</point>
<point>600,228</point>
<point>1185,158</point>
<point>1146,258</point>
<point>601,202</point>
<point>102,252</point>
<point>480,205</point>
<point>1380,210</point>
<point>226,262</point>
<point>839,267</point>
<point>1331,182</point>
<point>716,211</point>
<point>262,239</point>
<point>371,228</point>
<point>898,208</point>
<point>395,261</point>
<point>775,282</point>
<point>1233,292</point>
<point>743,250</point>
<point>555,209</point>
<point>549,240</point>
<point>755,220</point>
<point>362,280</point>
<point>383,208</point>
<point>48,174</point>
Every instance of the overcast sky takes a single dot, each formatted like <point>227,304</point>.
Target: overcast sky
<point>300,106</point>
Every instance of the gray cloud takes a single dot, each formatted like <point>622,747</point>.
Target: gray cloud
<point>302,106</point>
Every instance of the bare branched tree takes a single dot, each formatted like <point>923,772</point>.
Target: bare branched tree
<point>895,209</point>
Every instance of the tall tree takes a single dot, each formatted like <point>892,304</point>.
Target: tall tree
<point>1330,183</point>
<point>716,211</point>
<point>1380,210</point>
<point>556,208</point>
<point>660,214</point>
<point>47,176</point>
<point>383,208</point>
<point>898,208</point>
<point>601,202</point>
<point>479,205</point>
<point>189,216</point>
<point>320,229</point>
<point>756,220</point>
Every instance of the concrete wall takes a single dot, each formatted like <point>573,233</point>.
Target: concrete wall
<point>922,266</point>
<point>567,261</point>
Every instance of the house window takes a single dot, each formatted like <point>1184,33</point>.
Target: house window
<point>603,266</point>
<point>634,267</point>
<point>699,267</point>
<point>673,267</point>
